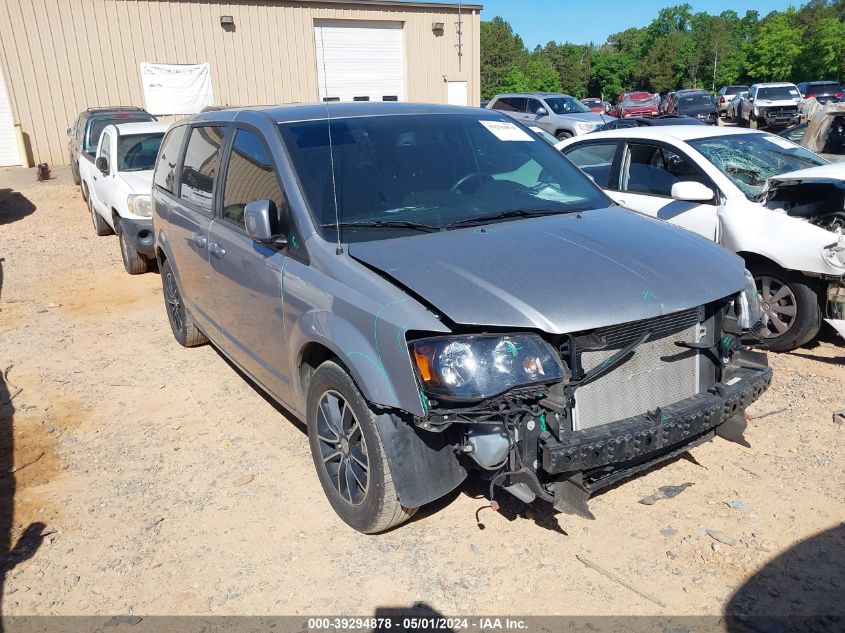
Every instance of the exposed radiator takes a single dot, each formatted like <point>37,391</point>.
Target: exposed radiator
<point>658,374</point>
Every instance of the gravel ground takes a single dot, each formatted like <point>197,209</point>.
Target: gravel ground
<point>152,479</point>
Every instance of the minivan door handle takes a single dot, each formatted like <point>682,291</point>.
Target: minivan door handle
<point>200,240</point>
<point>218,251</point>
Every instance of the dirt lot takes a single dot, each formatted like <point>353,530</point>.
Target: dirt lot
<point>166,484</point>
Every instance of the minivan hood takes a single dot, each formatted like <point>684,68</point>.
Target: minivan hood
<point>558,274</point>
<point>138,181</point>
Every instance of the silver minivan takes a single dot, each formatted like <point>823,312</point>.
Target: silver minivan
<point>435,290</point>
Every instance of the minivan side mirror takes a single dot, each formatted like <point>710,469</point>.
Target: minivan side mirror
<point>542,112</point>
<point>691,191</point>
<point>257,216</point>
<point>102,163</point>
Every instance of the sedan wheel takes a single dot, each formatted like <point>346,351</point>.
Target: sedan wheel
<point>790,311</point>
<point>779,307</point>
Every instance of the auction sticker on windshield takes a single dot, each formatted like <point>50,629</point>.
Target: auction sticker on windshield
<point>505,131</point>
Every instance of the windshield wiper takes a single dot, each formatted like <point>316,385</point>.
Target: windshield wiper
<point>385,224</point>
<point>513,213</point>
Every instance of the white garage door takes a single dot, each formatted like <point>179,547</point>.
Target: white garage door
<point>8,142</point>
<point>360,61</point>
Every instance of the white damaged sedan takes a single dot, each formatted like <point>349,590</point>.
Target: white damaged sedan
<point>778,205</point>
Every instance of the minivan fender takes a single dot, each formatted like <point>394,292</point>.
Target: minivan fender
<point>376,369</point>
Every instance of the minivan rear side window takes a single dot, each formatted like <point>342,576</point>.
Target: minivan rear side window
<point>249,177</point>
<point>201,164</point>
<point>165,169</point>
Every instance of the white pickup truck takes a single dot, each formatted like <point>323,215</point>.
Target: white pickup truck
<point>117,185</point>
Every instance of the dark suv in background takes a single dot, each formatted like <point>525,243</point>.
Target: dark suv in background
<point>85,132</point>
<point>821,91</point>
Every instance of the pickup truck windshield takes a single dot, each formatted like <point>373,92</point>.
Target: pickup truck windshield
<point>749,160</point>
<point>137,152</point>
<point>565,105</point>
<point>432,171</point>
<point>778,92</point>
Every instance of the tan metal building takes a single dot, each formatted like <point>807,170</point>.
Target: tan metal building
<point>58,57</point>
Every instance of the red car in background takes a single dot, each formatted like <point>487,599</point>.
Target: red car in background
<point>636,104</point>
<point>597,105</point>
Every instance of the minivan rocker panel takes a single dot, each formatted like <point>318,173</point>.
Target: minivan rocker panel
<point>483,305</point>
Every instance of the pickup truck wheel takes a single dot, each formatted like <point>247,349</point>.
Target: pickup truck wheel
<point>185,331</point>
<point>348,453</point>
<point>562,135</point>
<point>101,227</point>
<point>790,310</point>
<point>133,263</point>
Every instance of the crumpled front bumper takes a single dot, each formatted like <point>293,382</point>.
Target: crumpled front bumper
<point>674,426</point>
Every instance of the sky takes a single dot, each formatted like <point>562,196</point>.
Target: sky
<point>542,21</point>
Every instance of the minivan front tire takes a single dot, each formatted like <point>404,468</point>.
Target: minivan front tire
<point>182,324</point>
<point>348,453</point>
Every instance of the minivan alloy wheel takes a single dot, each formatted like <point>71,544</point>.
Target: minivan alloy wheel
<point>174,302</point>
<point>778,306</point>
<point>343,448</point>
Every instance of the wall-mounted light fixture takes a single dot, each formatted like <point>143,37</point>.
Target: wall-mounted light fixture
<point>437,27</point>
<point>227,20</point>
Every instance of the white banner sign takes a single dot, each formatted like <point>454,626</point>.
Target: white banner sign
<point>176,88</point>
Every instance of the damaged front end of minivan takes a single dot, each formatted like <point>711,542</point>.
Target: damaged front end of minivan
<point>559,417</point>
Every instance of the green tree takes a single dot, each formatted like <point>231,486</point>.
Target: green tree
<point>775,49</point>
<point>541,75</point>
<point>824,54</point>
<point>661,69</point>
<point>611,74</point>
<point>501,52</point>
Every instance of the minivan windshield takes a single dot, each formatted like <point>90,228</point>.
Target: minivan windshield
<point>749,160</point>
<point>565,105</point>
<point>137,152</point>
<point>428,172</point>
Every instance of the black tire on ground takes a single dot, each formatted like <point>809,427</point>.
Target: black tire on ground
<point>185,330</point>
<point>84,188</point>
<point>133,262</point>
<point>562,135</point>
<point>790,307</point>
<point>348,454</point>
<point>101,227</point>
<point>74,170</point>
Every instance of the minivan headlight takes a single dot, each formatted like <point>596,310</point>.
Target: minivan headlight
<point>140,204</point>
<point>748,304</point>
<point>480,366</point>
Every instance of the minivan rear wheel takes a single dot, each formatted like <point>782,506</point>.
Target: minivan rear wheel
<point>348,453</point>
<point>790,309</point>
<point>185,330</point>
